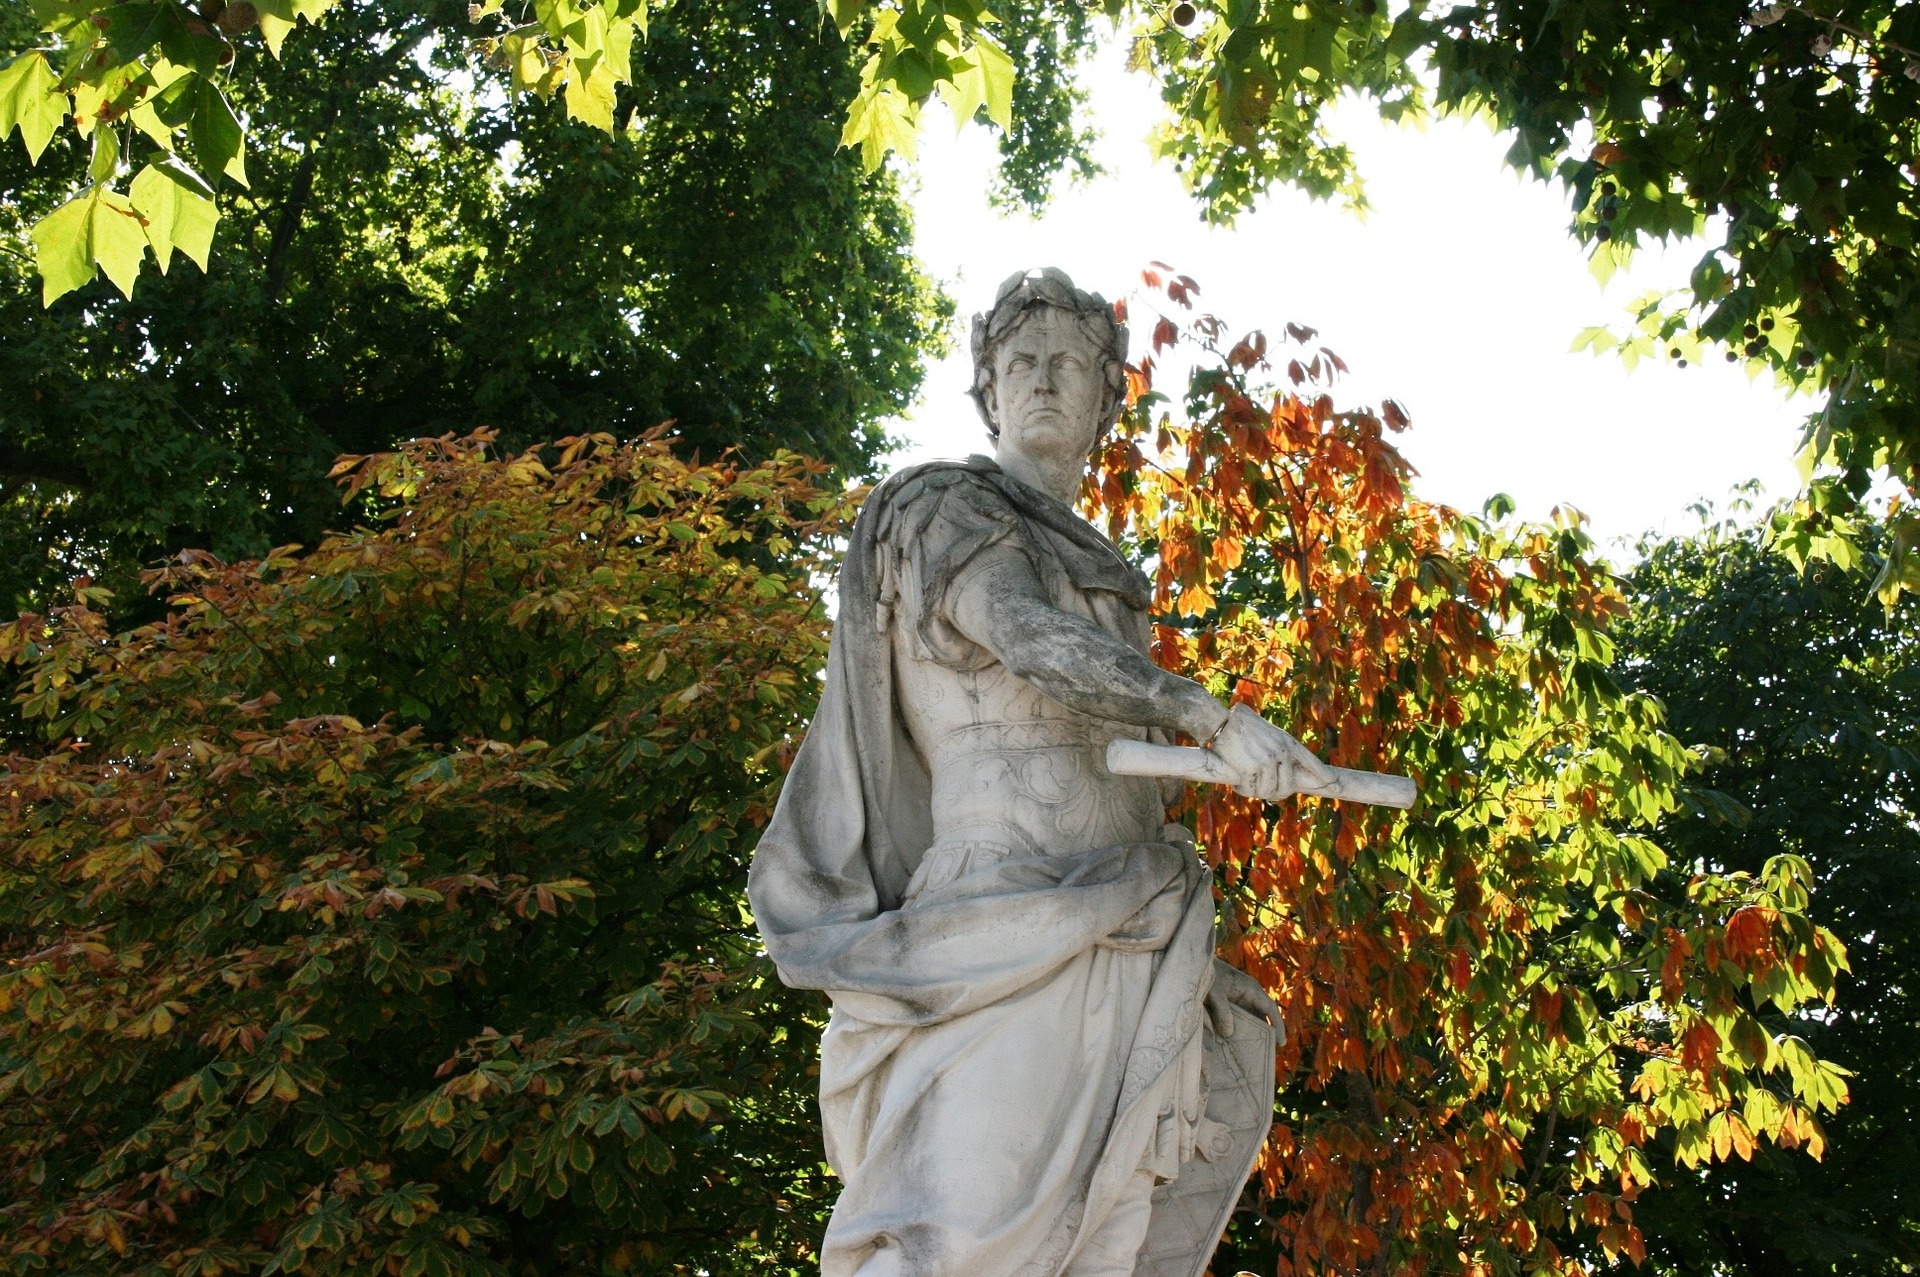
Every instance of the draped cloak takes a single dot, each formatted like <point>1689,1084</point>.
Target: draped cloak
<point>1108,949</point>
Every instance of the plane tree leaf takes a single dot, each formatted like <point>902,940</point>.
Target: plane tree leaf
<point>99,228</point>
<point>179,210</point>
<point>219,138</point>
<point>590,95</point>
<point>279,17</point>
<point>31,100</point>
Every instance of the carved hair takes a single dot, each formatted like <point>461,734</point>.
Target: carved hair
<point>1020,296</point>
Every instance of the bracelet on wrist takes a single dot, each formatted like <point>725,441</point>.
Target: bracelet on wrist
<point>1224,720</point>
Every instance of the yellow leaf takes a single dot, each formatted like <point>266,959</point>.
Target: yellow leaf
<point>997,67</point>
<point>590,98</point>
<point>148,121</point>
<point>620,48</point>
<point>278,17</point>
<point>30,98</point>
<point>178,209</point>
<point>98,227</point>
<point>966,92</point>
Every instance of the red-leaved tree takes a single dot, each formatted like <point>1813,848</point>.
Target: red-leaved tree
<point>1508,1014</point>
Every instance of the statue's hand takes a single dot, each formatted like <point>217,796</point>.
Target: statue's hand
<point>1231,988</point>
<point>1270,763</point>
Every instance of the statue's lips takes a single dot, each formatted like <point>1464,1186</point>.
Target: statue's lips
<point>1048,412</point>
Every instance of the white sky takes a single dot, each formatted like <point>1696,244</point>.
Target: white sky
<point>1459,296</point>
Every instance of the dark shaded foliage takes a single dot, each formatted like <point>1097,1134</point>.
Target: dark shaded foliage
<point>1808,695</point>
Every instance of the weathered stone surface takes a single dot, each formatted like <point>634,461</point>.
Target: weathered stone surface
<point>1034,1065</point>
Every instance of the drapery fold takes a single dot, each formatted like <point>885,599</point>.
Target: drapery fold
<point>1102,957</point>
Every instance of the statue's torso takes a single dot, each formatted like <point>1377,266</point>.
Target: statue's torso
<point>1016,773</point>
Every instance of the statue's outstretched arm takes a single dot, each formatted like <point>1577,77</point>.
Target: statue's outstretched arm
<point>1000,603</point>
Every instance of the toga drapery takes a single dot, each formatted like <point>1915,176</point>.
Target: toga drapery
<point>1018,1049</point>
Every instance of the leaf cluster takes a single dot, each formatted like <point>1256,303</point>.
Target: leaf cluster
<point>1803,697</point>
<point>148,72</point>
<point>420,253</point>
<point>1784,134</point>
<point>377,909</point>
<point>1499,1003</point>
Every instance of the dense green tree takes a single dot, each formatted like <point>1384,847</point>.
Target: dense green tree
<point>378,910</point>
<point>1808,698</point>
<point>1783,133</point>
<point>419,253</point>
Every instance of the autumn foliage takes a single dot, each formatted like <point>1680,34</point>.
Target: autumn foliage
<point>378,911</point>
<point>1507,1013</point>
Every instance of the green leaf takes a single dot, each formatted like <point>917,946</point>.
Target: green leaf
<point>966,92</point>
<point>179,208</point>
<point>30,99</point>
<point>620,49</point>
<point>119,240</point>
<point>278,17</point>
<point>179,94</point>
<point>219,139</point>
<point>527,67</point>
<point>187,50</point>
<point>106,155</point>
<point>61,243</point>
<point>913,74</point>
<point>148,121</point>
<point>132,29</point>
<point>881,119</point>
<point>105,96</point>
<point>590,96</point>
<point>997,66</point>
<point>844,13</point>
<point>97,226</point>
<point>586,36</point>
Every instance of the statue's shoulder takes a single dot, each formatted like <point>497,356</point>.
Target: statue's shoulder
<point>963,495</point>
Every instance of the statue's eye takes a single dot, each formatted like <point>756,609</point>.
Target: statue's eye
<point>1019,363</point>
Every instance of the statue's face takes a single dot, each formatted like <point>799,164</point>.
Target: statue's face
<point>1048,392</point>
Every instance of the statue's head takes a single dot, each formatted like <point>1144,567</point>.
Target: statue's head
<point>1049,365</point>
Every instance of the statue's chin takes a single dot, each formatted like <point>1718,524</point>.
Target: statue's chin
<point>1050,434</point>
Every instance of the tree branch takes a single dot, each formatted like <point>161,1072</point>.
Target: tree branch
<point>39,467</point>
<point>295,207</point>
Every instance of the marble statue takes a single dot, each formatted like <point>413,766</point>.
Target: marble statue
<point>1033,1065</point>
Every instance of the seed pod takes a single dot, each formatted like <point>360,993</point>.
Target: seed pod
<point>238,16</point>
<point>1750,332</point>
<point>1183,14</point>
